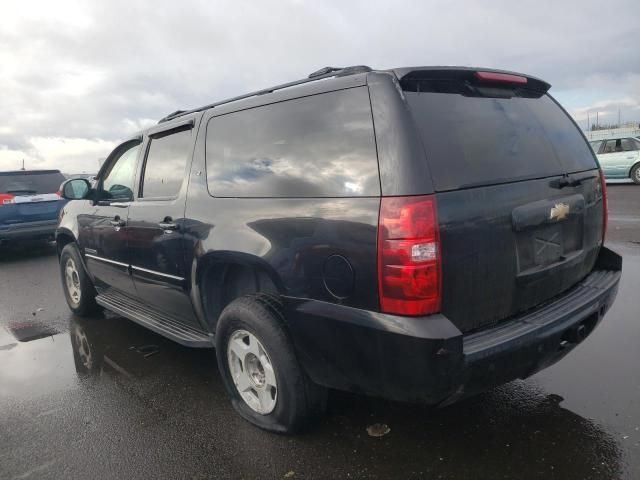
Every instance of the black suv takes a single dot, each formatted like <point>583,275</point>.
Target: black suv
<point>420,234</point>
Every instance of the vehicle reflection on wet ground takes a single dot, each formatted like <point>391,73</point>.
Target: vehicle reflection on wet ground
<point>105,398</point>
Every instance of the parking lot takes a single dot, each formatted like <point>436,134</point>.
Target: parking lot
<point>147,406</point>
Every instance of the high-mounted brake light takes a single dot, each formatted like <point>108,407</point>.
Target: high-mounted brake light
<point>409,256</point>
<point>500,77</point>
<point>6,198</point>
<point>605,206</point>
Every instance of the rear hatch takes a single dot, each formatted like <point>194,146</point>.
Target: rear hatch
<point>29,196</point>
<point>518,191</point>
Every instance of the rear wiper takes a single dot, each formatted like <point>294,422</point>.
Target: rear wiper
<point>567,182</point>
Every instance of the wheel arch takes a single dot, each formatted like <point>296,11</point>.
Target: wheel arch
<point>223,276</point>
<point>634,165</point>
<point>64,237</point>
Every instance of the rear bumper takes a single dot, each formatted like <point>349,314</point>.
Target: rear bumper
<point>29,230</point>
<point>427,359</point>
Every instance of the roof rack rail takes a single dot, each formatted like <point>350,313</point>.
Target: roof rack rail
<point>325,72</point>
<point>175,114</point>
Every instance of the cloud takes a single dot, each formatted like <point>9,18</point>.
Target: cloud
<point>71,155</point>
<point>608,108</point>
<point>607,97</point>
<point>99,71</point>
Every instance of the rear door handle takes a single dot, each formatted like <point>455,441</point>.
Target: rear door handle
<point>117,221</point>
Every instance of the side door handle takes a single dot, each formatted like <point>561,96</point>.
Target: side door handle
<point>167,224</point>
<point>117,221</point>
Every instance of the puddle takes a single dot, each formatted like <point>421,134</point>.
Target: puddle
<point>29,330</point>
<point>36,368</point>
<point>35,360</point>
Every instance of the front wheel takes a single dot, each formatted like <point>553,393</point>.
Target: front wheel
<point>259,367</point>
<point>77,286</point>
<point>635,174</point>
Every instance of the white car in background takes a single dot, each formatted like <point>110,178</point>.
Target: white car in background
<point>619,157</point>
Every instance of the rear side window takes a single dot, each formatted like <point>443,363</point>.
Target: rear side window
<point>317,146</point>
<point>30,183</point>
<point>612,146</point>
<point>595,146</point>
<point>164,168</point>
<point>476,140</point>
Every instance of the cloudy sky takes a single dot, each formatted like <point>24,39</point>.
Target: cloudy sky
<point>78,76</point>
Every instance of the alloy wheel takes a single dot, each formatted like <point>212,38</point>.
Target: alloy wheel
<point>72,281</point>
<point>252,372</point>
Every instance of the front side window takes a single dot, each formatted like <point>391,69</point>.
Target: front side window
<point>317,146</point>
<point>117,183</point>
<point>629,145</point>
<point>166,162</point>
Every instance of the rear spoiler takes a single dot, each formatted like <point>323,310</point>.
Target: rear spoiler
<point>480,77</point>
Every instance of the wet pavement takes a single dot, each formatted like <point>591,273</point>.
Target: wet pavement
<point>104,398</point>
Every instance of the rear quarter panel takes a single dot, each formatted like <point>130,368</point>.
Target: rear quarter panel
<point>291,238</point>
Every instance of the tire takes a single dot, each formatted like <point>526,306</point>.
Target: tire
<point>82,298</point>
<point>295,400</point>
<point>635,174</point>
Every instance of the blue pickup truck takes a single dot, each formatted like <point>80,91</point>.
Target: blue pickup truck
<point>29,204</point>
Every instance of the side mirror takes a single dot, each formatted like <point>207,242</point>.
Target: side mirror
<point>75,189</point>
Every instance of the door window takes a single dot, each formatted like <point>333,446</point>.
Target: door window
<point>117,184</point>
<point>629,145</point>
<point>612,146</point>
<point>166,162</point>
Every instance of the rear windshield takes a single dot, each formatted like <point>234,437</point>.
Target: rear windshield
<point>479,140</point>
<point>30,183</point>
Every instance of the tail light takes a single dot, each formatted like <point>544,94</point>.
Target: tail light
<point>605,207</point>
<point>409,256</point>
<point>5,198</point>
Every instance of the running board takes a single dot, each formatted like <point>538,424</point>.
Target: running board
<point>152,319</point>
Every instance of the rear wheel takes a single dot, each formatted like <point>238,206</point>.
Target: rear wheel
<point>78,289</point>
<point>261,373</point>
<point>635,174</point>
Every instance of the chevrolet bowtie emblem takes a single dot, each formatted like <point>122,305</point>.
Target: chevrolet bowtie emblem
<point>559,211</point>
